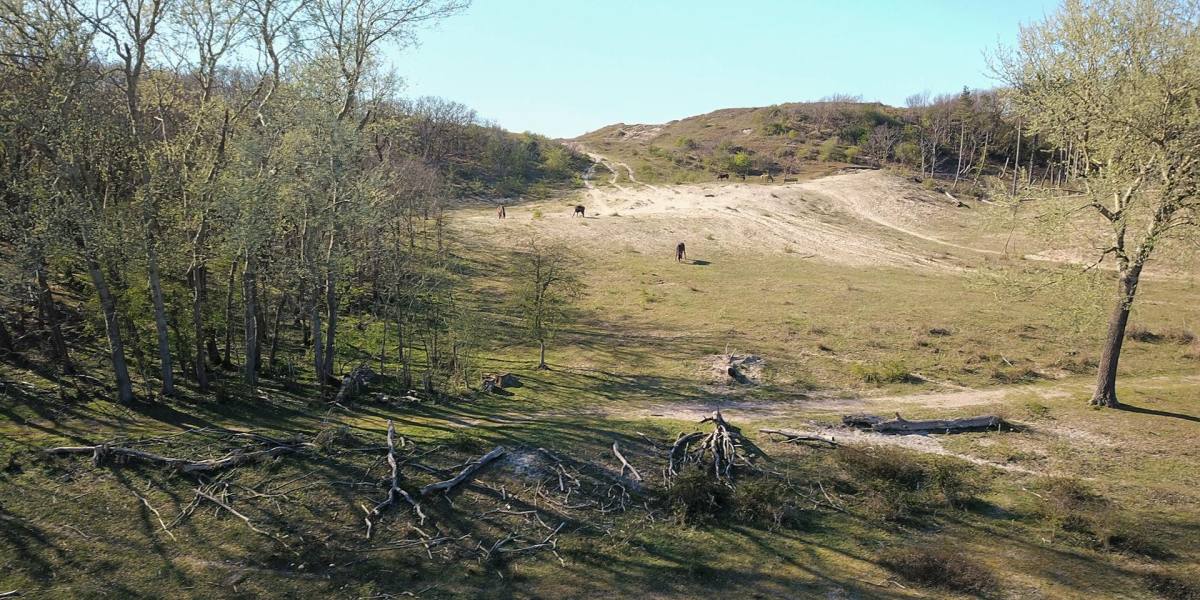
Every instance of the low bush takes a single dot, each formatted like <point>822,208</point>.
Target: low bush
<point>1138,333</point>
<point>884,372</point>
<point>895,485</point>
<point>933,565</point>
<point>697,498</point>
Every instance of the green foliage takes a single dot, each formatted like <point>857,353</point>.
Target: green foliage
<point>830,151</point>
<point>880,373</point>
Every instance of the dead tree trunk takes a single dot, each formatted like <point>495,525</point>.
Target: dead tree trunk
<point>275,333</point>
<point>1106,373</point>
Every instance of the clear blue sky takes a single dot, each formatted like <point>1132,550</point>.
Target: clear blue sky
<point>565,67</point>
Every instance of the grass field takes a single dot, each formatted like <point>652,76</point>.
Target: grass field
<point>1075,503</point>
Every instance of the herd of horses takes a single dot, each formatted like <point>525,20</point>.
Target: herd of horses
<point>680,248</point>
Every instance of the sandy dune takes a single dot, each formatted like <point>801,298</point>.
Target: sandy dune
<point>861,218</point>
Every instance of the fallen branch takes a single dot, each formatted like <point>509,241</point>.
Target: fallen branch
<point>624,463</point>
<point>796,437</point>
<point>11,594</point>
<point>467,473</point>
<point>202,494</point>
<point>156,515</point>
<point>102,451</point>
<point>394,489</point>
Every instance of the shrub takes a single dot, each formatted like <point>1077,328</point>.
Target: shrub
<point>1014,374</point>
<point>767,502</point>
<point>1172,586</point>
<point>940,331</point>
<point>1138,333</point>
<point>1183,337</point>
<point>829,151</point>
<point>697,498</point>
<point>852,153</point>
<point>895,484</point>
<point>933,565</point>
<point>1036,410</point>
<point>885,372</point>
<point>537,213</point>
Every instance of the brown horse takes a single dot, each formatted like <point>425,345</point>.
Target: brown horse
<point>579,211</point>
<point>680,252</point>
<point>722,175</point>
<point>500,212</point>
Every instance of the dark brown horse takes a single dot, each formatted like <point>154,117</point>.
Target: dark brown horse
<point>578,211</point>
<point>680,252</point>
<point>722,175</point>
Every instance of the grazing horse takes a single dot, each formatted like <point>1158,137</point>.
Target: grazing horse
<point>579,211</point>
<point>722,175</point>
<point>500,213</point>
<point>680,252</point>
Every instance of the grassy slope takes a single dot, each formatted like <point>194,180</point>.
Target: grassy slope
<point>72,531</point>
<point>657,155</point>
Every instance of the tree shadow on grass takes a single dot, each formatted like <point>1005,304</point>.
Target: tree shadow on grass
<point>1158,413</point>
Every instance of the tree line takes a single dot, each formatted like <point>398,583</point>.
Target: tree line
<point>204,178</point>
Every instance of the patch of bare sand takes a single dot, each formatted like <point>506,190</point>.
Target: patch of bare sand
<point>844,219</point>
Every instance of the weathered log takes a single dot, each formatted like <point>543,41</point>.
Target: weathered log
<point>863,421</point>
<point>624,463</point>
<point>902,425</point>
<point>465,474</point>
<point>102,451</point>
<point>796,437</point>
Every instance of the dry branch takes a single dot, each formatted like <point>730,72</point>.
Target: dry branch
<point>394,490</point>
<point>202,494</point>
<point>795,437</point>
<point>468,472</point>
<point>624,463</point>
<point>102,451</point>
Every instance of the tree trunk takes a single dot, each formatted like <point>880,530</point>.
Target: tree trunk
<point>113,329</point>
<point>1106,373</point>
<point>160,321</point>
<point>6,340</point>
<point>198,283</point>
<point>331,305</point>
<point>250,322</point>
<point>1017,159</point>
<point>542,355</point>
<point>53,321</point>
<point>275,333</point>
<point>229,312</point>
<point>318,350</point>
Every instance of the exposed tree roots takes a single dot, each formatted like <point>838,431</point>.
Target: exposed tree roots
<point>721,451</point>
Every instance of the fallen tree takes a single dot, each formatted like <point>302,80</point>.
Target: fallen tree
<point>902,425</point>
<point>467,473</point>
